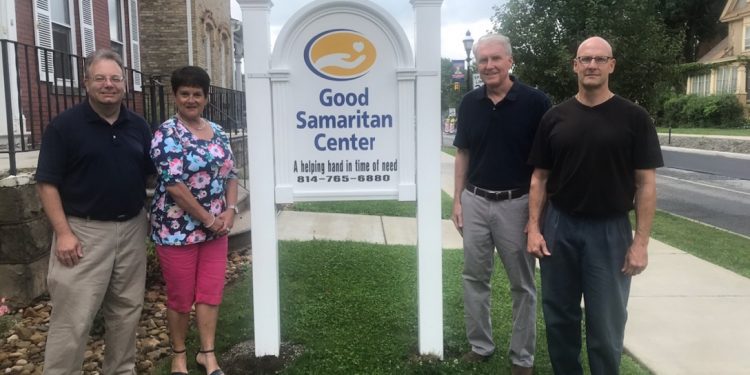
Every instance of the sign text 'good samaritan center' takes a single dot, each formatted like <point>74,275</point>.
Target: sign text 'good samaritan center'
<point>343,103</point>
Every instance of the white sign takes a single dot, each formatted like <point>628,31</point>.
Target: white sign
<point>341,126</point>
<point>343,112</point>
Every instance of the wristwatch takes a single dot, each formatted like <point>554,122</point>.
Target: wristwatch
<point>236,210</point>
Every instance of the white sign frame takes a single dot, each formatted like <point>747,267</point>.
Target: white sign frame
<point>284,55</point>
<point>425,74</point>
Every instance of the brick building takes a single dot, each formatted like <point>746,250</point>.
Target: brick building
<point>175,33</point>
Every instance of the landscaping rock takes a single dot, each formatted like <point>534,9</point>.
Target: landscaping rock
<point>22,348</point>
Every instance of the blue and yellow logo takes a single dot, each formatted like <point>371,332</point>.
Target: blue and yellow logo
<point>340,55</point>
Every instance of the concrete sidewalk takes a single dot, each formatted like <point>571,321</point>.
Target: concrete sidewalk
<point>686,316</point>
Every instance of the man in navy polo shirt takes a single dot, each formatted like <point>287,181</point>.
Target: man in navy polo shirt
<point>91,179</point>
<point>496,127</point>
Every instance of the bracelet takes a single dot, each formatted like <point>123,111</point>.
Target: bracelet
<point>212,222</point>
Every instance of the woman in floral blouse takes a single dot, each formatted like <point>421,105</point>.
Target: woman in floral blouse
<point>192,212</point>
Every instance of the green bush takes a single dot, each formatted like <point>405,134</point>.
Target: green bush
<point>672,112</point>
<point>693,111</point>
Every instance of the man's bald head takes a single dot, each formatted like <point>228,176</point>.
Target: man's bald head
<point>595,42</point>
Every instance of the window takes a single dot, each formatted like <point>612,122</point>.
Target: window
<point>62,39</point>
<point>223,58</point>
<point>116,27</point>
<point>726,80</point>
<point>746,42</point>
<point>700,84</point>
<point>55,35</point>
<point>207,44</point>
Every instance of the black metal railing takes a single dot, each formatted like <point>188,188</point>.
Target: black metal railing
<point>155,104</point>
<point>226,107</point>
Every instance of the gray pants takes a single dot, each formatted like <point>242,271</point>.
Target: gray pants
<point>111,274</point>
<point>587,258</point>
<point>490,225</point>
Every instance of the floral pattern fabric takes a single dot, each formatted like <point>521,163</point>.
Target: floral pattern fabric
<point>204,166</point>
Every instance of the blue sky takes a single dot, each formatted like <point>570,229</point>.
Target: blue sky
<point>457,17</point>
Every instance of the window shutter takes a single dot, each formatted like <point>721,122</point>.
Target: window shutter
<point>88,42</point>
<point>135,45</point>
<point>44,39</point>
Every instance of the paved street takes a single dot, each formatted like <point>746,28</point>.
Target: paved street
<point>711,162</point>
<point>720,201</point>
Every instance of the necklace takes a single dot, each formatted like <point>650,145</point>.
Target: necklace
<point>198,128</point>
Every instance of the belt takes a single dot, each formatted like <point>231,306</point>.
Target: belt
<point>118,218</point>
<point>497,195</point>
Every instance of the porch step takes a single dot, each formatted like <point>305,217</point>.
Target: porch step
<point>239,237</point>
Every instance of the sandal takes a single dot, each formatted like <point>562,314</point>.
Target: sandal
<point>178,352</point>
<point>215,372</point>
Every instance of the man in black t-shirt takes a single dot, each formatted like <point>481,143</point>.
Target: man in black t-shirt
<point>595,157</point>
<point>91,179</point>
<point>496,126</point>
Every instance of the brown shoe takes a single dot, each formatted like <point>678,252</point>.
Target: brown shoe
<point>519,370</point>
<point>474,357</point>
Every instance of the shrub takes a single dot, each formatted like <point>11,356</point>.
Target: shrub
<point>692,111</point>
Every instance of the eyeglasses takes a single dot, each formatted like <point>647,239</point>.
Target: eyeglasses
<point>113,79</point>
<point>599,60</point>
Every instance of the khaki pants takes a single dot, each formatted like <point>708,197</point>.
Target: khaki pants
<point>111,275</point>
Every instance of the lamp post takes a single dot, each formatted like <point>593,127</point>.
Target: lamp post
<point>468,43</point>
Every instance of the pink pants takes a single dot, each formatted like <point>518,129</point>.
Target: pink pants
<point>194,273</point>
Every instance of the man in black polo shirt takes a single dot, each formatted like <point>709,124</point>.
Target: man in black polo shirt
<point>91,179</point>
<point>595,154</point>
<point>496,127</point>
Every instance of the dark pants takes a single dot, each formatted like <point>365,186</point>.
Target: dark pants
<point>587,258</point>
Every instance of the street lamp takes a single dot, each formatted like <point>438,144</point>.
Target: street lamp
<point>468,43</point>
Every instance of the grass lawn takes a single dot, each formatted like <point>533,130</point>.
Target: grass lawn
<point>353,307</point>
<point>706,131</point>
<point>724,249</point>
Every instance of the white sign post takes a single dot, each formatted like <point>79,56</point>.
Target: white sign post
<point>340,110</point>
<point>430,244</point>
<point>255,16</point>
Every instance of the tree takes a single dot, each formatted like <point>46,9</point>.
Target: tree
<point>546,33</point>
<point>697,19</point>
